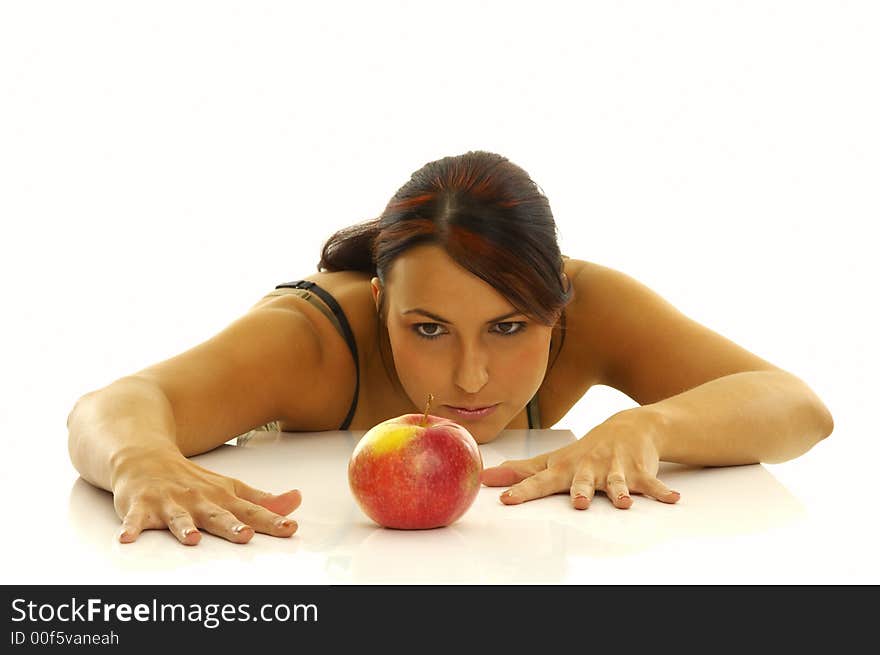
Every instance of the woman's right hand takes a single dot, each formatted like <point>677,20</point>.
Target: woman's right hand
<point>164,489</point>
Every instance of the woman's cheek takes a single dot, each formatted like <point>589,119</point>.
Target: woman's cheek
<point>415,368</point>
<point>529,365</point>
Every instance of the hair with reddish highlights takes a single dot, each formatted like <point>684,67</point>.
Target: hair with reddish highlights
<point>489,217</point>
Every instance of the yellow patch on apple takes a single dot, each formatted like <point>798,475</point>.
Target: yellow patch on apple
<point>387,437</point>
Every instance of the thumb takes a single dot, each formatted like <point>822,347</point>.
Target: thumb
<point>512,471</point>
<point>279,503</point>
<point>283,504</point>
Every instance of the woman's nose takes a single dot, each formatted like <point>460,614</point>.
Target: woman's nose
<point>472,370</point>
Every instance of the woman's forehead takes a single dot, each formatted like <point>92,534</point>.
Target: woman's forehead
<point>429,279</point>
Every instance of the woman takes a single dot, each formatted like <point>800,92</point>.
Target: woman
<point>458,289</point>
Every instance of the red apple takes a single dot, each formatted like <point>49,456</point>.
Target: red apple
<point>415,471</point>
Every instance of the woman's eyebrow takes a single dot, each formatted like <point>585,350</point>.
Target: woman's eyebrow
<point>440,319</point>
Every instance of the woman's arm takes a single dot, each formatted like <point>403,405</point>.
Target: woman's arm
<point>129,418</point>
<point>744,418</point>
<point>122,439</point>
<point>133,437</point>
<point>718,403</point>
<point>703,400</point>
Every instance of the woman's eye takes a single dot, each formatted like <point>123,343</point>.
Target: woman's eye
<point>432,330</point>
<point>433,335</point>
<point>520,326</point>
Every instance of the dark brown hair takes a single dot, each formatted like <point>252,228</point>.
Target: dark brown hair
<point>486,213</point>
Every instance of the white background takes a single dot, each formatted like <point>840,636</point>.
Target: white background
<point>163,165</point>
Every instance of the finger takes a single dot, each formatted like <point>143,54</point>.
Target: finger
<point>222,523</point>
<point>132,525</point>
<point>512,471</point>
<point>543,483</point>
<point>181,525</point>
<point>583,488</point>
<point>138,519</point>
<point>659,491</point>
<point>617,491</point>
<point>282,504</point>
<point>263,520</point>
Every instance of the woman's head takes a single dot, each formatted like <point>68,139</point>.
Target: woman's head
<point>467,239</point>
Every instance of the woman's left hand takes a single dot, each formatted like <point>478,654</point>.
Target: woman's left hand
<point>618,457</point>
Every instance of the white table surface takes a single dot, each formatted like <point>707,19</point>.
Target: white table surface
<point>108,266</point>
<point>732,525</point>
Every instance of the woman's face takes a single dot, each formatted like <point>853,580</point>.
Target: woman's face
<point>475,350</point>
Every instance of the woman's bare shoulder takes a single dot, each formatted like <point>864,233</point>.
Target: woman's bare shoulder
<point>351,291</point>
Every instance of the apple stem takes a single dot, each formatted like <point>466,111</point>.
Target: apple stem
<point>427,407</point>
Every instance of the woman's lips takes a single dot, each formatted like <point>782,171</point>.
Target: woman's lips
<point>475,414</point>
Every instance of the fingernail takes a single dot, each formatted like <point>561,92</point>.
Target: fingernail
<point>188,532</point>
<point>622,496</point>
<point>238,528</point>
<point>283,523</point>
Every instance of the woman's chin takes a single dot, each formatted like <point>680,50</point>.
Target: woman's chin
<point>483,434</point>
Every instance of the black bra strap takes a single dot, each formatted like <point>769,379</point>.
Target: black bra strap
<point>346,332</point>
<point>534,414</point>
